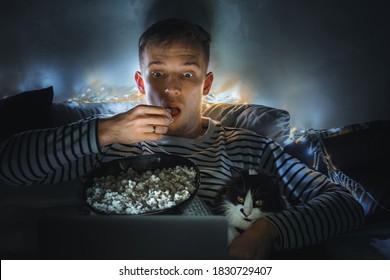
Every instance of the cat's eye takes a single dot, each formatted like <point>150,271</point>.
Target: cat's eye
<point>240,199</point>
<point>258,202</point>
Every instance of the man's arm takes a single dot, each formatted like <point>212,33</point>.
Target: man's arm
<point>322,210</point>
<point>64,153</point>
<point>256,242</point>
<point>49,155</point>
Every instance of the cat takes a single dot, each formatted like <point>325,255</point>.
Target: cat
<point>250,194</point>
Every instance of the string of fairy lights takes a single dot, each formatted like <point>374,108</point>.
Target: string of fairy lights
<point>131,95</point>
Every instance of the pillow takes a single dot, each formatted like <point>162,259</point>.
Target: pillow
<point>354,156</point>
<point>267,121</point>
<point>63,113</point>
<point>307,151</point>
<point>25,111</point>
<point>359,160</point>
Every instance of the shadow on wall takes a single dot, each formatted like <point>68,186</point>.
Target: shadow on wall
<point>71,44</point>
<point>68,44</point>
<point>199,12</point>
<point>326,62</point>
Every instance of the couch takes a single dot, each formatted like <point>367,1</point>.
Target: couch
<point>354,156</point>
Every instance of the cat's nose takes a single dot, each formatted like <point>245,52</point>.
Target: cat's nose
<point>243,212</point>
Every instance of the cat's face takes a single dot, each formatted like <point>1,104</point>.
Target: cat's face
<point>250,196</point>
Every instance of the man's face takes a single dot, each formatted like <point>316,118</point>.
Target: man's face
<point>175,77</point>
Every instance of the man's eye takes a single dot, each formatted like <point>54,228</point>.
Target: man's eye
<point>188,75</point>
<point>157,74</point>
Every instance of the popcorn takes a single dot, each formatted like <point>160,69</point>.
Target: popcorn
<point>133,193</point>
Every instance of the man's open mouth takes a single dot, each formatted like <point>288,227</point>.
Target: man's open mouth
<point>174,111</point>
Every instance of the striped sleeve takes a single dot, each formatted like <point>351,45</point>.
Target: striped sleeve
<point>324,209</point>
<point>49,155</point>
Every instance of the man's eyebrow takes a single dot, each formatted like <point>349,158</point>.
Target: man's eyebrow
<point>192,63</point>
<point>154,62</point>
<point>159,62</point>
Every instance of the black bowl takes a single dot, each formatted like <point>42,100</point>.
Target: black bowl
<point>140,164</point>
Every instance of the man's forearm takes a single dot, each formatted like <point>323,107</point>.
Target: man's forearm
<point>36,156</point>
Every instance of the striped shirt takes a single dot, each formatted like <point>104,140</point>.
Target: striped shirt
<point>325,210</point>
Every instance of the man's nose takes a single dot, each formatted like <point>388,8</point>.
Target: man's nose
<point>173,86</point>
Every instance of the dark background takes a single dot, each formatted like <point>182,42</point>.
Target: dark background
<point>326,62</point>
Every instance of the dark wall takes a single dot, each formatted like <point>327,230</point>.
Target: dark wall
<point>326,61</point>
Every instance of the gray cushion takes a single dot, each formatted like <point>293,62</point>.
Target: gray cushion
<point>267,121</point>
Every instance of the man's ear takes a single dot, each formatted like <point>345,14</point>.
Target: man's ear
<point>140,82</point>
<point>208,83</point>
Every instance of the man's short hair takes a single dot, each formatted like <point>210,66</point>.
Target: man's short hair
<point>166,32</point>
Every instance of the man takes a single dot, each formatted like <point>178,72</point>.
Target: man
<point>174,57</point>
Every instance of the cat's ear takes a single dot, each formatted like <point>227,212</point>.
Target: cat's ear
<point>235,172</point>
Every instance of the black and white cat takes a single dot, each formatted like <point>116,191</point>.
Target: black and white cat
<point>250,194</point>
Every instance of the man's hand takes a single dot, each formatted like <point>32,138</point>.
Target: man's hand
<point>141,123</point>
<point>256,242</point>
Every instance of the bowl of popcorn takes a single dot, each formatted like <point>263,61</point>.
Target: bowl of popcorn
<point>142,185</point>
